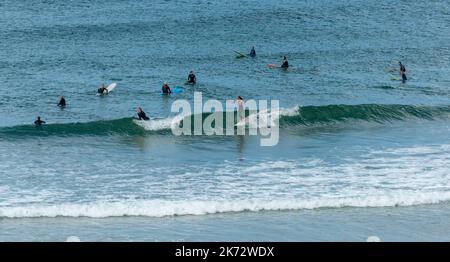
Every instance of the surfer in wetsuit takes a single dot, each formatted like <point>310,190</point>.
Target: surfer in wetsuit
<point>102,89</point>
<point>166,88</point>
<point>192,79</point>
<point>62,102</point>
<point>402,72</point>
<point>252,52</point>
<point>38,122</point>
<point>285,63</point>
<point>241,112</point>
<point>141,114</point>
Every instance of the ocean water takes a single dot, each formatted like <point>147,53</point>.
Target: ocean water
<point>359,154</point>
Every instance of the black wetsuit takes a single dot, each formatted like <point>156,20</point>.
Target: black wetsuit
<point>403,72</point>
<point>38,122</point>
<point>143,116</point>
<point>285,64</point>
<point>192,79</point>
<point>253,53</point>
<point>62,102</point>
<point>101,90</point>
<point>166,90</point>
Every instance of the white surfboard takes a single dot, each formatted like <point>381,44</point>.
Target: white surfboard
<point>111,87</point>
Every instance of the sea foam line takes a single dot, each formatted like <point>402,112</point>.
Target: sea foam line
<point>162,208</point>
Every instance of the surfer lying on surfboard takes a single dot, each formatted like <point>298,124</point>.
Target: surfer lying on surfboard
<point>141,114</point>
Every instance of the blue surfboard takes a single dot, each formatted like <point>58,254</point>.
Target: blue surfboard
<point>175,90</point>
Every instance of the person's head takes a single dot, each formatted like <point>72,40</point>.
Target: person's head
<point>62,97</point>
<point>165,83</point>
<point>139,109</point>
<point>192,71</point>
<point>38,118</point>
<point>239,98</point>
<point>253,47</point>
<point>400,63</point>
<point>284,58</point>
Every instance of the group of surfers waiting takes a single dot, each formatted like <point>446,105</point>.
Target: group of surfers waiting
<point>191,80</point>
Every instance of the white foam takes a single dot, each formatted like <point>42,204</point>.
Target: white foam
<point>172,122</point>
<point>383,178</point>
<point>161,208</point>
<point>160,124</point>
<point>261,118</point>
<point>293,111</point>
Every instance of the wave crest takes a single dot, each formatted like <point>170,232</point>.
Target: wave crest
<point>296,116</point>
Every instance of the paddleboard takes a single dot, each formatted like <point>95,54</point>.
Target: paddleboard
<point>110,88</point>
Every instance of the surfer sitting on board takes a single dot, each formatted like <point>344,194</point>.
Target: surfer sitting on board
<point>252,52</point>
<point>141,114</point>
<point>192,79</point>
<point>102,89</point>
<point>285,63</point>
<point>38,122</point>
<point>402,71</point>
<point>166,88</point>
<point>62,102</point>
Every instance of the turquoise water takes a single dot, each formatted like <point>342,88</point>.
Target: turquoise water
<point>359,154</point>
